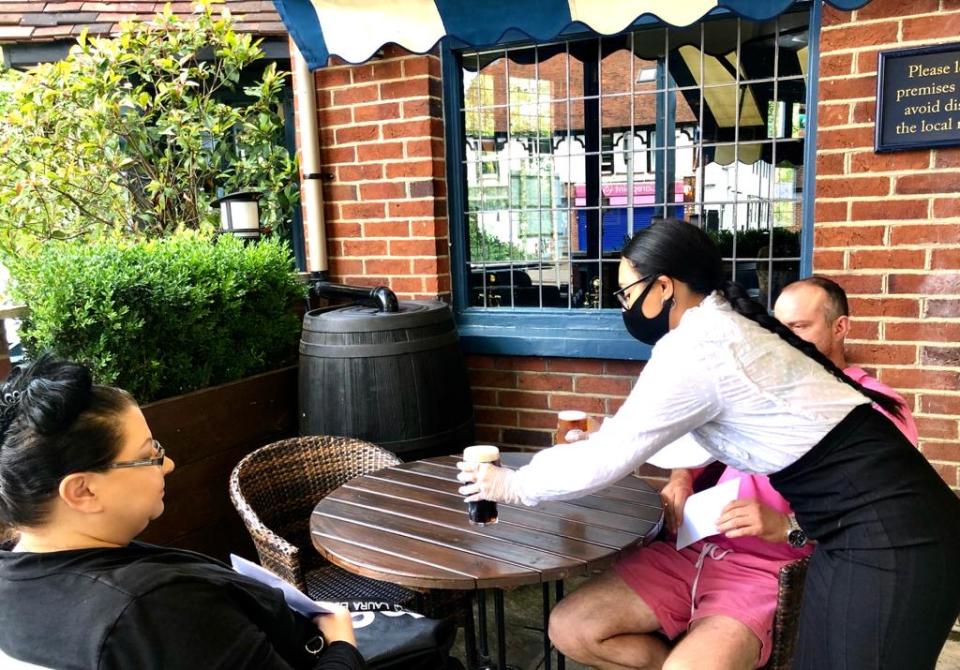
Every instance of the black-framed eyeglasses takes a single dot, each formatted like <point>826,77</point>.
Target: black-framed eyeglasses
<point>620,294</point>
<point>156,460</point>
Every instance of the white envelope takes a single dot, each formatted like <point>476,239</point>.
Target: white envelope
<point>701,511</point>
<point>296,600</point>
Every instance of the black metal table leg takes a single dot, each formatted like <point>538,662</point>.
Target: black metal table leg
<point>547,658</point>
<point>482,624</point>
<point>470,639</point>
<point>561,661</point>
<point>501,629</point>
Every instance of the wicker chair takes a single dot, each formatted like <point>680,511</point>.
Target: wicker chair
<point>787,616</point>
<point>275,489</point>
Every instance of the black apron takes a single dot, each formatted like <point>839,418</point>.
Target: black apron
<point>883,586</point>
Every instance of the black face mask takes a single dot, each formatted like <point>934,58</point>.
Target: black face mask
<point>648,331</point>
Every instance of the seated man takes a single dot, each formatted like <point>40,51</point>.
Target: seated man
<point>722,591</point>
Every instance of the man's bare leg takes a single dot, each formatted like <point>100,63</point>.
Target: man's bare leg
<point>715,643</point>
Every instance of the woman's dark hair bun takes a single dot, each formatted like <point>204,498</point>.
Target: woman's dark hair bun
<point>49,393</point>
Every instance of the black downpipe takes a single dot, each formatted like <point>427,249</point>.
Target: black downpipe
<point>379,296</point>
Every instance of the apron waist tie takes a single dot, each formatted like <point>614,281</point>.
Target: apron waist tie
<point>714,552</point>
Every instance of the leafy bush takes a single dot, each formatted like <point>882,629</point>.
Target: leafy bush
<point>755,243</point>
<point>137,133</point>
<point>162,317</point>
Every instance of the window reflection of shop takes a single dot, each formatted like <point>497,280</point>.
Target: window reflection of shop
<point>573,147</point>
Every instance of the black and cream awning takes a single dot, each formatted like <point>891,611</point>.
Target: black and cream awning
<point>354,30</point>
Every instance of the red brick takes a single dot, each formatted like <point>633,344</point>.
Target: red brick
<point>409,286</point>
<point>339,192</point>
<point>859,35</point>
<point>881,306</point>
<point>335,116</point>
<point>412,208</point>
<point>931,27</point>
<point>603,385</point>
<point>367,133</point>
<point>522,363</point>
<point>523,400</point>
<point>943,429</point>
<point>844,138</point>
<point>613,405</point>
<point>386,228</point>
<point>476,361</point>
<point>939,182</point>
<point>421,189</point>
<point>417,128</point>
<point>945,259</point>
<point>334,155</point>
<point>327,77</point>
<point>835,65</point>
<point>947,309</point>
<point>830,164</point>
<point>864,330</point>
<point>925,283</point>
<point>925,331</point>
<point>877,353</point>
<point>827,260</point>
<point>946,208</point>
<point>589,405</point>
<point>833,115</point>
<point>927,233</point>
<point>424,147</point>
<point>484,397</point>
<point>415,169</point>
<point>363,210</point>
<point>391,69</point>
<point>865,111</point>
<point>847,236</point>
<point>901,259</point>
<point>413,109</point>
<point>430,228</point>
<point>630,369</point>
<point>920,378</point>
<point>495,417</point>
<point>947,158</point>
<point>545,382</point>
<point>339,229</point>
<point>383,191</point>
<point>848,88</point>
<point>846,187</point>
<point>409,87</point>
<point>888,209</point>
<point>378,112</point>
<point>493,378</point>
<point>344,266</point>
<point>867,161</point>
<point>364,248</point>
<point>360,172</point>
<point>932,403</point>
<point>588,366</point>
<point>388,267</point>
<point>828,212</point>
<point>858,284</point>
<point>835,17</point>
<point>413,248</point>
<point>889,9</point>
<point>538,420</point>
<point>487,434</point>
<point>419,66</point>
<point>947,472</point>
<point>356,95</point>
<point>379,151</point>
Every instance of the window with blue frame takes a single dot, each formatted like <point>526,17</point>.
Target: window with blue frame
<point>566,149</point>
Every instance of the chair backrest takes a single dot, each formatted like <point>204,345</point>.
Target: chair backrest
<point>276,487</point>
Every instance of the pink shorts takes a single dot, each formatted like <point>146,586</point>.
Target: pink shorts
<point>738,585</point>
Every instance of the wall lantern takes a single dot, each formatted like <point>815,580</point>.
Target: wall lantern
<point>240,214</point>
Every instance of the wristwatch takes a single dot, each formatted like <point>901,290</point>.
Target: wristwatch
<point>796,536</point>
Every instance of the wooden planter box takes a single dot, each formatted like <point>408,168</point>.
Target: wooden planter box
<point>206,433</point>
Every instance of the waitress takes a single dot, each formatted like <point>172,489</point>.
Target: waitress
<point>883,588</point>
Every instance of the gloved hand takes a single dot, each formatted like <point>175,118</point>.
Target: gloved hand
<point>488,482</point>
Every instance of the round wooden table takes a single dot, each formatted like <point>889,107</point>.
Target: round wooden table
<point>408,525</point>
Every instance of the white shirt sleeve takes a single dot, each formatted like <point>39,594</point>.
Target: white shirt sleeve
<point>676,393</point>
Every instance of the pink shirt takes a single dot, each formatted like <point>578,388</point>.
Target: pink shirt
<point>758,486</point>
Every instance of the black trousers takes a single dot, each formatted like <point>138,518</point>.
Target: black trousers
<point>883,586</point>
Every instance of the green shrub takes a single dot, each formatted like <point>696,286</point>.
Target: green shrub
<point>162,317</point>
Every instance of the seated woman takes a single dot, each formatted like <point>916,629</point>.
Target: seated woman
<point>80,477</point>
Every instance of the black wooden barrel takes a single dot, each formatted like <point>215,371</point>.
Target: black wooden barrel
<point>395,379</point>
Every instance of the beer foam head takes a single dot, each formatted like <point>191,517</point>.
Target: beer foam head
<point>481,453</point>
<point>572,415</point>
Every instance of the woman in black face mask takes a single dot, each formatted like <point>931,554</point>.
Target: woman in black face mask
<point>882,588</point>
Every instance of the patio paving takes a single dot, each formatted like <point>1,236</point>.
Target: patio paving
<point>524,636</point>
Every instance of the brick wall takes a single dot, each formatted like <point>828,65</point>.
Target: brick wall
<point>888,225</point>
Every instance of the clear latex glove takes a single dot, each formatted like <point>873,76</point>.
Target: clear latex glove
<point>488,482</point>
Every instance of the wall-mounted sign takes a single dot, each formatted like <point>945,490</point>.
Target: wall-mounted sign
<point>918,98</point>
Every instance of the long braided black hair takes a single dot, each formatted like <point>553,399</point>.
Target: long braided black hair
<point>681,250</point>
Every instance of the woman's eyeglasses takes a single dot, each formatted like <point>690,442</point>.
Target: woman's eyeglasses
<point>156,460</point>
<point>621,294</point>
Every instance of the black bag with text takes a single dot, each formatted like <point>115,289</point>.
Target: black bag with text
<point>393,638</point>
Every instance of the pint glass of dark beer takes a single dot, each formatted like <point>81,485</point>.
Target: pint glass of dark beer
<point>482,512</point>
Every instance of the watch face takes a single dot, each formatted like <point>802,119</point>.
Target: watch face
<point>797,538</point>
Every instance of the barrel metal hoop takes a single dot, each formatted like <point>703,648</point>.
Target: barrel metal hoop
<point>379,350</point>
<point>442,439</point>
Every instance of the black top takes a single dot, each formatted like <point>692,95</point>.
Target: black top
<point>144,606</point>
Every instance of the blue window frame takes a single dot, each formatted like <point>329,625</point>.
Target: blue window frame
<point>557,152</point>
